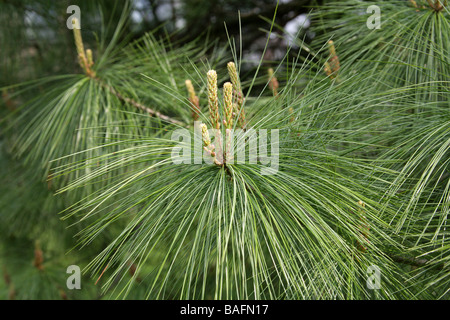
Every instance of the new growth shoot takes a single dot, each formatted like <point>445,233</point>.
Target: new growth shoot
<point>85,58</point>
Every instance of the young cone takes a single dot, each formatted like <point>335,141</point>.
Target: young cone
<point>212,99</point>
<point>89,58</point>
<point>38,256</point>
<point>332,66</point>
<point>273,84</point>
<point>207,146</point>
<point>363,228</point>
<point>84,57</point>
<point>205,135</point>
<point>228,104</point>
<point>193,98</point>
<point>228,111</point>
<point>239,98</point>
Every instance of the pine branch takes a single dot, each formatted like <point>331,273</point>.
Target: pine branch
<point>415,262</point>
<point>140,106</point>
<point>86,62</point>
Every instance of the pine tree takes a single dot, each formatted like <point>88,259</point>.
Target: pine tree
<point>345,168</point>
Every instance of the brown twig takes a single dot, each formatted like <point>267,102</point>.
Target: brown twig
<point>140,105</point>
<point>415,262</point>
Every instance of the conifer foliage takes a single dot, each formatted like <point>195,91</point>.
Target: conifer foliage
<point>169,171</point>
